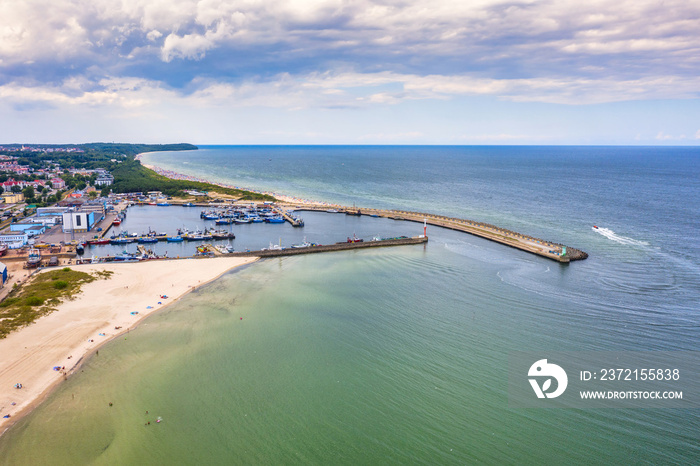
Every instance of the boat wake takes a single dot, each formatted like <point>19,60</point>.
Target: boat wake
<point>611,235</point>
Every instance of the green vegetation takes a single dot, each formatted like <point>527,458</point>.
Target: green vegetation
<point>94,155</point>
<point>130,176</point>
<point>119,159</point>
<point>27,303</point>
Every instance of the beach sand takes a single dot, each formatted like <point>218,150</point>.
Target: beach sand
<point>63,338</point>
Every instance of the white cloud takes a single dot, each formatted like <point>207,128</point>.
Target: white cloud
<point>339,90</point>
<point>154,35</point>
<point>479,29</point>
<point>187,46</point>
<point>662,136</point>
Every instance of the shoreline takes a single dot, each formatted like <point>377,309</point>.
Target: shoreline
<point>78,328</point>
<point>281,197</point>
<point>544,248</point>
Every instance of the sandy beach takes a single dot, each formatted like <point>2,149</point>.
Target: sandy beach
<point>103,310</point>
<point>284,198</point>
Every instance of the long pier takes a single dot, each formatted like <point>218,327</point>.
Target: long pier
<point>331,247</point>
<point>550,250</point>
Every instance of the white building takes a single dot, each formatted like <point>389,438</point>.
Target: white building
<point>104,180</point>
<point>78,222</point>
<point>14,240</point>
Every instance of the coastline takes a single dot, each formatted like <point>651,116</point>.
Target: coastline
<point>285,198</point>
<point>544,248</point>
<point>101,312</point>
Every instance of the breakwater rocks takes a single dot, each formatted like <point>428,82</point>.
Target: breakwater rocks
<point>549,249</point>
<point>331,247</point>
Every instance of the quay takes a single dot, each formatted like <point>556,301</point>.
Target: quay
<point>332,247</point>
<point>294,221</point>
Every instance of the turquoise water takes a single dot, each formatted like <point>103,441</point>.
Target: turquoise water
<point>400,355</point>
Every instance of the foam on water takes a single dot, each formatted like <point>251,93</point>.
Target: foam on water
<point>611,235</point>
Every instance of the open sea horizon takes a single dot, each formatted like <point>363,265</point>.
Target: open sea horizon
<point>400,355</point>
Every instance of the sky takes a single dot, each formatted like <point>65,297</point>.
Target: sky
<point>350,71</point>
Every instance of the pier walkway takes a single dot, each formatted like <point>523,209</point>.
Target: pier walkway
<point>540,247</point>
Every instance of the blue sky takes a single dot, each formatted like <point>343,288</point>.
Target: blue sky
<point>350,71</point>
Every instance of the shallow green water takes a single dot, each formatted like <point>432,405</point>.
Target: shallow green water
<point>336,360</point>
<point>399,355</point>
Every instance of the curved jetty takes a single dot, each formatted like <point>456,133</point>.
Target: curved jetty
<point>544,248</point>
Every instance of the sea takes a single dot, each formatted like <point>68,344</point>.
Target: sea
<point>400,355</point>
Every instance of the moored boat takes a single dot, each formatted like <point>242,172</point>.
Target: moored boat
<point>354,239</point>
<point>33,258</point>
<point>97,242</point>
<point>121,240</point>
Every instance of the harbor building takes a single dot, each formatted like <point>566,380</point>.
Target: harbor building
<point>78,221</point>
<point>15,240</point>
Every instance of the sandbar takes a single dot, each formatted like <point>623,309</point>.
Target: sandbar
<point>101,311</point>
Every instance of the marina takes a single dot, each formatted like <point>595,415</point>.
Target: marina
<point>231,216</point>
<point>173,229</point>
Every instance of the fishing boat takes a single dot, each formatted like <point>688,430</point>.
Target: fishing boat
<point>163,204</point>
<point>33,259</point>
<point>116,222</point>
<point>224,221</point>
<point>80,249</point>
<point>354,239</point>
<point>195,236</point>
<point>305,244</point>
<point>222,234</point>
<point>188,204</point>
<point>354,211</point>
<point>277,219</point>
<point>332,211</point>
<point>175,239</point>
<point>242,221</point>
<point>121,240</point>
<point>209,215</point>
<point>147,239</point>
<point>125,256</point>
<point>97,242</point>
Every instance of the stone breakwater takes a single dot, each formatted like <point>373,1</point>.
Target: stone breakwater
<point>549,249</point>
<point>331,247</point>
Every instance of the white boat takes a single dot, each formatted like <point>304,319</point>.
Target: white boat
<point>305,244</point>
